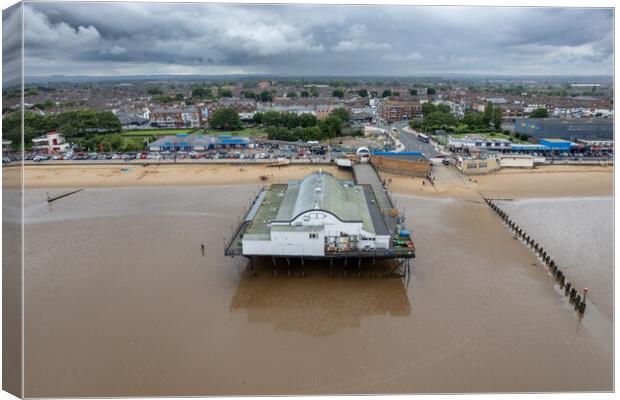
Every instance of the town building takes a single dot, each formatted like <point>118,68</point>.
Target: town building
<point>362,115</point>
<point>557,144</point>
<point>129,121</point>
<point>176,117</point>
<point>596,145</point>
<point>476,141</point>
<point>192,142</point>
<point>51,142</point>
<point>393,110</point>
<point>566,128</point>
<point>241,106</point>
<point>478,162</point>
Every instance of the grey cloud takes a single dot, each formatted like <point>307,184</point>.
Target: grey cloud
<point>11,46</point>
<point>153,38</point>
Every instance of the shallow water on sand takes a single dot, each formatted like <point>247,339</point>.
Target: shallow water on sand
<point>120,301</point>
<point>578,234</point>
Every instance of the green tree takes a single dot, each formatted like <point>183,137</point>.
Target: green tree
<point>307,120</point>
<point>428,108</point>
<point>413,92</point>
<point>362,93</point>
<point>225,119</point>
<point>272,118</point>
<point>330,127</point>
<point>305,93</point>
<point>289,120</point>
<point>179,97</point>
<point>342,114</point>
<point>258,117</point>
<point>437,119</point>
<point>497,118</point>
<point>487,116</point>
<point>338,93</point>
<point>155,91</point>
<point>164,99</point>
<point>314,92</point>
<point>291,94</point>
<point>472,119</point>
<point>248,94</point>
<point>265,96</point>
<point>431,91</point>
<point>223,92</point>
<point>201,92</point>
<point>443,108</point>
<point>386,93</point>
<point>539,113</point>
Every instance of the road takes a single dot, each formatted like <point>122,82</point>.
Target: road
<point>411,142</point>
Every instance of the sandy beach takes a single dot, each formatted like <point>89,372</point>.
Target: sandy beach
<point>547,181</point>
<point>102,176</point>
<point>123,296</point>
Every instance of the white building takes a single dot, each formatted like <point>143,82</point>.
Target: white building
<point>469,142</point>
<point>315,216</point>
<point>50,142</point>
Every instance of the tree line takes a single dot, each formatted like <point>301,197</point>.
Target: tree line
<point>71,124</point>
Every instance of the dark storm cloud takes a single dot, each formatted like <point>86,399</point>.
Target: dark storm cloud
<point>155,38</point>
<point>11,46</point>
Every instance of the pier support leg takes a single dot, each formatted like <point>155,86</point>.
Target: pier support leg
<point>345,266</point>
<point>331,267</point>
<point>374,262</point>
<point>303,267</point>
<point>275,270</point>
<point>359,266</point>
<point>252,272</point>
<point>288,265</point>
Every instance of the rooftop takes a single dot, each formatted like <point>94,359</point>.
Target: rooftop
<point>317,191</point>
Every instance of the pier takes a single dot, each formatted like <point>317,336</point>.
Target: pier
<point>381,218</point>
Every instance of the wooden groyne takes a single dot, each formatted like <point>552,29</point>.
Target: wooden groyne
<point>578,300</point>
<point>54,198</point>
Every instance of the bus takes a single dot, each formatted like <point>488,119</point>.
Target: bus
<point>423,138</point>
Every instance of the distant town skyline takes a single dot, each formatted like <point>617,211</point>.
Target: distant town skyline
<point>108,39</point>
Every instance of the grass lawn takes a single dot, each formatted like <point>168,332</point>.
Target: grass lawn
<point>155,132</point>
<point>164,132</point>
<point>488,136</point>
<point>244,132</point>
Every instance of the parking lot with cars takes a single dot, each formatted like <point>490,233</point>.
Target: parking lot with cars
<point>262,153</point>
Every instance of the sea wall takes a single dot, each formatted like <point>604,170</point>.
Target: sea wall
<point>420,168</point>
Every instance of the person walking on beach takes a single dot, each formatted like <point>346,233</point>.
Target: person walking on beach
<point>202,247</point>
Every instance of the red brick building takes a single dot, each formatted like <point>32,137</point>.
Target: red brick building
<point>392,111</point>
<point>186,117</point>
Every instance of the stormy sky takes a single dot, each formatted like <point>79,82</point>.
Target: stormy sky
<point>151,38</point>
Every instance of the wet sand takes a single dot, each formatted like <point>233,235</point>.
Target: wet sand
<point>120,301</point>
